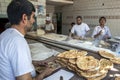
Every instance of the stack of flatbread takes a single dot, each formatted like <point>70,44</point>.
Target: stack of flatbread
<point>83,65</point>
<point>68,58</point>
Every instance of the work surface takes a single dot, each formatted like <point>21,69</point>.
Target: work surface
<point>110,76</point>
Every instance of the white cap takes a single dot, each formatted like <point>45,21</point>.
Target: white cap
<point>48,18</point>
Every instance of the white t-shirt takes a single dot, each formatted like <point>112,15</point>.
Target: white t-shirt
<point>49,27</point>
<point>80,30</point>
<point>15,57</point>
<point>105,31</point>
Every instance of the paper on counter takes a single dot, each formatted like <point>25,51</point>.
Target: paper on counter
<point>56,76</point>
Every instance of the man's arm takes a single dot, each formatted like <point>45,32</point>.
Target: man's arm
<point>28,76</point>
<point>51,31</point>
<point>97,34</point>
<point>87,33</point>
<point>70,34</point>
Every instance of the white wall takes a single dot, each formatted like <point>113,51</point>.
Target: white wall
<point>50,9</point>
<point>67,18</point>
<point>3,7</point>
<point>91,10</point>
<point>40,19</point>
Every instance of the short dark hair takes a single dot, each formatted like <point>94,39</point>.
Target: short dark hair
<point>102,18</point>
<point>79,17</point>
<point>17,8</point>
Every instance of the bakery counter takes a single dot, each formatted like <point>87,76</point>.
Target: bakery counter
<point>62,41</point>
<point>60,44</point>
<point>110,75</point>
<point>73,44</point>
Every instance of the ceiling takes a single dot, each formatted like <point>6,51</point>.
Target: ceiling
<point>59,2</point>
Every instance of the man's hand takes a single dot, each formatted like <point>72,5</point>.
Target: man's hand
<point>45,73</point>
<point>98,34</point>
<point>38,63</point>
<point>77,37</point>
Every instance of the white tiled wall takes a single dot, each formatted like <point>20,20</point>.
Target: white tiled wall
<point>91,10</point>
<point>3,7</point>
<point>67,18</point>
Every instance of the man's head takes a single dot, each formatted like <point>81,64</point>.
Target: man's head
<point>48,20</point>
<point>102,20</point>
<point>21,12</point>
<point>79,20</point>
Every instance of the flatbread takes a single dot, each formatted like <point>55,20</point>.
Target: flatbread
<point>62,55</point>
<point>72,66</point>
<point>106,54</point>
<point>98,78</point>
<point>115,60</point>
<point>87,63</point>
<point>117,78</point>
<point>94,75</point>
<point>82,53</point>
<point>72,61</point>
<point>105,64</point>
<point>88,74</point>
<point>56,37</point>
<point>72,54</point>
<point>40,32</point>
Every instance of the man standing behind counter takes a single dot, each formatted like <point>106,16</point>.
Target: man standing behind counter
<point>101,32</point>
<point>80,29</point>
<point>49,27</point>
<point>15,57</point>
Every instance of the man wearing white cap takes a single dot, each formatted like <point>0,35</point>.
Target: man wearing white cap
<point>49,27</point>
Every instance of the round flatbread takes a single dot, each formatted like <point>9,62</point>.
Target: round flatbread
<point>87,63</point>
<point>106,54</point>
<point>81,53</point>
<point>62,55</point>
<point>94,75</point>
<point>105,64</point>
<point>72,61</point>
<point>70,55</point>
<point>98,78</point>
<point>115,60</point>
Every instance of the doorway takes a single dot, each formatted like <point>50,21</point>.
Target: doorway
<point>59,22</point>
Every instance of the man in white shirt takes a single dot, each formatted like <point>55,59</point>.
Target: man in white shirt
<point>49,27</point>
<point>15,57</point>
<point>80,29</point>
<point>101,32</point>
